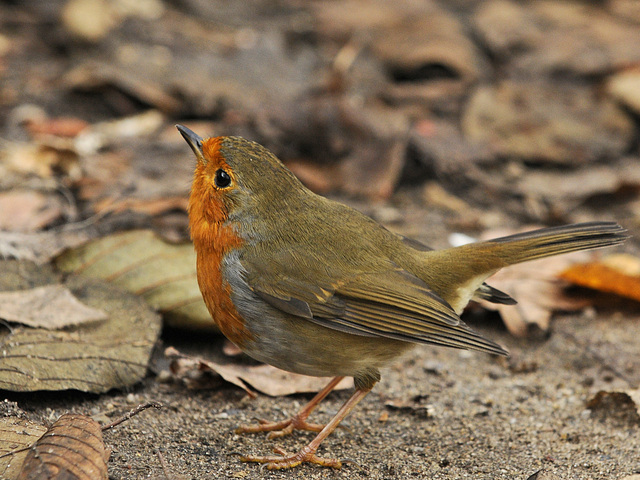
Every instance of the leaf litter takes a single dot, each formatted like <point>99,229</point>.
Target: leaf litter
<point>71,448</point>
<point>162,273</point>
<point>51,307</point>
<point>91,357</point>
<point>193,372</point>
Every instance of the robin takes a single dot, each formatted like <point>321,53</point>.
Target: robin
<point>314,287</point>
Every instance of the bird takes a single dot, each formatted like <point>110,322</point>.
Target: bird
<point>312,286</point>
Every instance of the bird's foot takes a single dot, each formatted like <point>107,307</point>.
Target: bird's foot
<point>287,460</point>
<point>281,429</point>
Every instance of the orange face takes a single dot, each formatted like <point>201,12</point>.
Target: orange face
<point>213,180</point>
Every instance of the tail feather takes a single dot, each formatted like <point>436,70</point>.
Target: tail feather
<point>551,241</point>
<point>462,270</point>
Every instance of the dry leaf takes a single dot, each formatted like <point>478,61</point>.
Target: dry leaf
<point>138,261</point>
<point>148,206</point>
<point>101,135</point>
<point>537,290</point>
<point>50,307</point>
<point>60,127</point>
<point>93,357</point>
<point>39,247</point>
<point>619,274</point>
<point>264,378</point>
<point>28,210</point>
<point>515,118</point>
<point>417,406</point>
<point>43,160</point>
<point>617,403</point>
<point>230,349</point>
<point>72,449</point>
<point>16,434</point>
<point>319,178</point>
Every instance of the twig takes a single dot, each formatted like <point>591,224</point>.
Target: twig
<point>130,414</point>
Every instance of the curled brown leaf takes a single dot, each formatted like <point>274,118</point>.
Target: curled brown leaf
<point>71,449</point>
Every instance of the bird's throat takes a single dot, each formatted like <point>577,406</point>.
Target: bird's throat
<point>213,240</point>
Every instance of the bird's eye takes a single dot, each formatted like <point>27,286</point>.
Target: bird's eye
<point>222,179</point>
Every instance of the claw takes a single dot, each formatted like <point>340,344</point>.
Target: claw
<point>287,460</point>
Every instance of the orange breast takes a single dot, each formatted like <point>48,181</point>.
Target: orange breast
<point>216,292</point>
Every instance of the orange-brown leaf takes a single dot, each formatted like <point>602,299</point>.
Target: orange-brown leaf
<point>71,449</point>
<point>619,274</point>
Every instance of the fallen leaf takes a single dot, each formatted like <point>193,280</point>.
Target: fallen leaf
<point>93,357</point>
<point>89,20</point>
<point>537,39</point>
<point>101,135</point>
<point>430,36</point>
<point>139,261</point>
<point>61,127</point>
<point>624,86</point>
<point>148,206</point>
<point>618,273</point>
<point>230,349</point>
<point>625,403</point>
<point>319,178</point>
<point>50,307</point>
<point>16,434</point>
<point>538,293</point>
<point>39,247</point>
<point>516,119</point>
<point>573,188</point>
<point>417,406</point>
<point>28,210</point>
<point>71,449</point>
<point>56,156</point>
<point>264,378</point>
<point>536,288</point>
<point>436,196</point>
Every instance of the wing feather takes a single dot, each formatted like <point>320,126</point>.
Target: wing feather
<point>390,302</point>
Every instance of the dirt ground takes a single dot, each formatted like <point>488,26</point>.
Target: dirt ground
<point>456,414</point>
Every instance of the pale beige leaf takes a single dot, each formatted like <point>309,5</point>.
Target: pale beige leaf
<point>139,261</point>
<point>28,210</point>
<point>16,434</point>
<point>536,288</point>
<point>39,247</point>
<point>50,307</point>
<point>264,378</point>
<point>94,357</point>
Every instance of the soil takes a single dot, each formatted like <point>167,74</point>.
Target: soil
<point>438,413</point>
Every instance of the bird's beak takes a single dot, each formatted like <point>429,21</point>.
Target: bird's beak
<point>194,141</point>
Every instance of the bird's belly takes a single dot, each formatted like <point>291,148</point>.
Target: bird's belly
<point>297,344</point>
<point>301,346</point>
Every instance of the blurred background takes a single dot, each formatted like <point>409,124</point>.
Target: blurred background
<point>432,116</point>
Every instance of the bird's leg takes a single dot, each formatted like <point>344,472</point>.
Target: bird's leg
<point>297,422</point>
<point>308,453</point>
